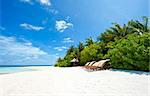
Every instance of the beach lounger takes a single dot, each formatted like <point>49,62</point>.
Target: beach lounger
<point>100,65</point>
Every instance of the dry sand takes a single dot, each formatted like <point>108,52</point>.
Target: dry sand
<point>50,81</point>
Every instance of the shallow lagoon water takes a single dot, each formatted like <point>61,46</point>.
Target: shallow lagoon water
<point>6,70</point>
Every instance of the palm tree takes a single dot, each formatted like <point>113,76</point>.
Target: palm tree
<point>139,27</point>
<point>145,23</point>
<point>117,29</point>
<point>70,50</point>
<point>121,31</point>
<point>115,32</point>
<point>89,41</point>
<point>81,46</point>
<point>107,36</point>
<point>59,59</point>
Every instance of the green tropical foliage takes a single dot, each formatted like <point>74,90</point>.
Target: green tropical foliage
<point>89,41</point>
<point>131,53</point>
<point>126,45</point>
<point>63,63</point>
<point>91,53</point>
<point>81,46</point>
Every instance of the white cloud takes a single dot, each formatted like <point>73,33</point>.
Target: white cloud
<point>67,18</point>
<point>60,48</point>
<point>27,1</point>
<point>2,28</point>
<point>62,25</point>
<point>54,11</point>
<point>45,2</point>
<point>28,44</point>
<point>57,54</point>
<point>68,40</point>
<point>42,2</point>
<point>31,27</point>
<point>15,52</point>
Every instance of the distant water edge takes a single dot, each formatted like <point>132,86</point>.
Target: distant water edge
<point>7,69</point>
<point>22,65</point>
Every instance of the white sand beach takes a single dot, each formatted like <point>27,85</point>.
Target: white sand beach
<point>50,81</point>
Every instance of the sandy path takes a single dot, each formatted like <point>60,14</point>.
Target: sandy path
<point>73,82</point>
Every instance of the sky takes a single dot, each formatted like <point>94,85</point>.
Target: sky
<point>34,32</point>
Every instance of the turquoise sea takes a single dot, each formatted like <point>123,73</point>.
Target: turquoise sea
<point>5,70</point>
<point>14,69</point>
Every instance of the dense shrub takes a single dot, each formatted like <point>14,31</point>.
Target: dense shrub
<point>131,53</point>
<point>63,63</point>
<point>90,53</point>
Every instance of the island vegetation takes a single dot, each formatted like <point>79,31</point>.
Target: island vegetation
<point>127,46</point>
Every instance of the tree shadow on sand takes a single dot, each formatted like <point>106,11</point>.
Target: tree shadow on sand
<point>131,71</point>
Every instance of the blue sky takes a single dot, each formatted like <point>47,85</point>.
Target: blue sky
<point>39,31</point>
